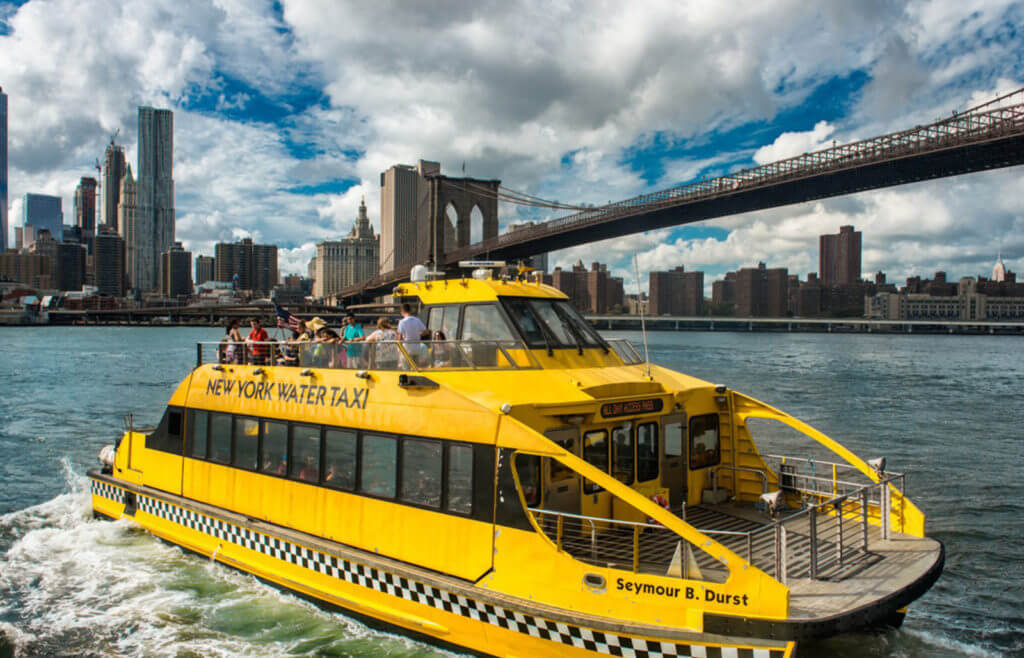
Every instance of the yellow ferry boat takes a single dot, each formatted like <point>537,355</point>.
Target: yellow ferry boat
<point>526,488</point>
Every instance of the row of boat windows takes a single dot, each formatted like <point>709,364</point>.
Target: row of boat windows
<point>541,322</point>
<point>423,472</point>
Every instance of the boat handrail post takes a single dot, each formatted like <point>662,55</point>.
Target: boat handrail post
<point>812,531</point>
<point>636,549</point>
<point>558,533</point>
<point>199,354</point>
<point>839,537</point>
<point>784,566</point>
<point>778,551</point>
<point>593,539</point>
<point>864,517</point>
<point>750,548</point>
<point>884,509</point>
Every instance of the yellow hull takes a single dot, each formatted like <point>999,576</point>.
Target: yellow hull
<point>438,609</point>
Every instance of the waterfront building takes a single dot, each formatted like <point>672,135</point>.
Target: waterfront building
<point>205,269</point>
<point>676,292</point>
<point>154,231</point>
<point>43,212</point>
<point>108,262</point>
<point>85,206</point>
<point>591,291</point>
<point>31,269</point>
<point>762,292</point>
<point>538,262</point>
<point>249,266</point>
<point>176,272</point>
<point>3,171</point>
<point>344,263</point>
<point>839,257</point>
<point>723,291</point>
<point>114,168</point>
<point>67,261</point>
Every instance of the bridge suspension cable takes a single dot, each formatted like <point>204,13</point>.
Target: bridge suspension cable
<point>509,195</point>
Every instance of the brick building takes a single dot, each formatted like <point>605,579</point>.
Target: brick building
<point>591,291</point>
<point>676,292</point>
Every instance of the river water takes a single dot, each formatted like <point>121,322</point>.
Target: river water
<point>948,410</point>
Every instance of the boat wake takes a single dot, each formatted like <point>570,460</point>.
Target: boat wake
<point>70,585</point>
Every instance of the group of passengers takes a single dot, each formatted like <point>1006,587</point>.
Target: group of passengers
<point>313,343</point>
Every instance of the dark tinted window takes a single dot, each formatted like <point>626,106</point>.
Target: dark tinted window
<point>595,453</point>
<point>220,438</point>
<point>558,325</point>
<point>524,318</point>
<point>647,453</point>
<point>622,454</point>
<point>247,442</point>
<point>377,467</point>
<point>197,440</point>
<point>305,461</point>
<point>274,458</point>
<point>174,423</point>
<point>340,459</point>
<point>421,472</point>
<point>704,446</point>
<point>460,479</point>
<point>582,327</point>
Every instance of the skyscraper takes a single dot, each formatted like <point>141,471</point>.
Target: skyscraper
<point>154,233</point>
<point>108,262</point>
<point>204,269</point>
<point>135,257</point>
<point>839,257</point>
<point>676,292</point>
<point>344,263</point>
<point>85,206</point>
<point>114,165</point>
<point>3,170</point>
<point>176,272</point>
<point>44,212</point>
<point>250,266</point>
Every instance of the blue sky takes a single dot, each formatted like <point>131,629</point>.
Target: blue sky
<point>287,112</point>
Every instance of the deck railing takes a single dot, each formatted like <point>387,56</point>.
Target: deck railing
<point>380,355</point>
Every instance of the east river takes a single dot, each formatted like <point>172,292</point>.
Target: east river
<point>947,410</point>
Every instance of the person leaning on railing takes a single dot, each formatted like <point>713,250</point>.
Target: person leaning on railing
<point>257,341</point>
<point>231,348</point>
<point>386,353</point>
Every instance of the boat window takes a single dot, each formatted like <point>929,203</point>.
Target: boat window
<point>444,318</point>
<point>674,439</point>
<point>460,479</point>
<point>524,318</point>
<point>377,466</point>
<point>421,472</point>
<point>704,444</point>
<point>197,440</point>
<point>647,452</point>
<point>584,328</point>
<point>546,311</point>
<point>340,459</point>
<point>528,469</point>
<point>484,322</point>
<point>595,453</point>
<point>305,461</point>
<point>275,448</point>
<point>622,454</point>
<point>174,423</point>
<point>558,470</point>
<point>247,443</point>
<point>220,438</point>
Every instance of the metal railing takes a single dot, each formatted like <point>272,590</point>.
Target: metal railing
<point>625,351</point>
<point>379,355</point>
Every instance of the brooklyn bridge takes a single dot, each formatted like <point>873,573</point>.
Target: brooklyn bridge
<point>988,136</point>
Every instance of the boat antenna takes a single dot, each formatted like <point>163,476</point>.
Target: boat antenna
<point>643,319</point>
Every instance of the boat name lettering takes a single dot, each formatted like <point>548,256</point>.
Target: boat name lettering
<point>689,593</point>
<point>318,396</point>
<point>631,407</point>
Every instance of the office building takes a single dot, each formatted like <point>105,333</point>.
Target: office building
<point>590,291</point>
<point>154,226</point>
<point>676,292</point>
<point>137,259</point>
<point>67,261</point>
<point>176,272</point>
<point>114,167</point>
<point>249,266</point>
<point>4,224</point>
<point>204,269</point>
<point>85,206</point>
<point>44,213</point>
<point>108,262</point>
<point>839,257</point>
<point>762,292</point>
<point>341,264</point>
<point>33,270</point>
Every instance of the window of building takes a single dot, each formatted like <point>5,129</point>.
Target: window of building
<point>622,454</point>
<point>377,466</point>
<point>421,472</point>
<point>197,439</point>
<point>595,453</point>
<point>340,459</point>
<point>704,441</point>
<point>220,438</point>
<point>247,443</point>
<point>305,453</point>
<point>274,457</point>
<point>460,479</point>
<point>647,452</point>
<point>484,322</point>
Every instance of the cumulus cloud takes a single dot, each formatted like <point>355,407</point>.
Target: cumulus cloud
<point>788,145</point>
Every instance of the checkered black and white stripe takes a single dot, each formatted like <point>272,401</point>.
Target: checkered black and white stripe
<point>440,599</point>
<point>104,490</point>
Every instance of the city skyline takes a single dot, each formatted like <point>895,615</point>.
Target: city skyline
<point>283,147</point>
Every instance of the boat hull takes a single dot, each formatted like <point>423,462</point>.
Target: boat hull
<point>443,611</point>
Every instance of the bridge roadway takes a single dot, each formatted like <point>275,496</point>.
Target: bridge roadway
<point>823,325</point>
<point>989,136</point>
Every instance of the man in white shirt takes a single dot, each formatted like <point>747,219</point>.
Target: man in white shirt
<point>410,328</point>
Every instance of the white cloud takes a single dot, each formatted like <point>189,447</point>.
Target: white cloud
<point>790,144</point>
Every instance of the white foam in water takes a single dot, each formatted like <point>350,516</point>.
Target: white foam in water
<point>69,584</point>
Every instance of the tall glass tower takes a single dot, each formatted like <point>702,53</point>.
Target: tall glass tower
<point>155,196</point>
<point>3,170</point>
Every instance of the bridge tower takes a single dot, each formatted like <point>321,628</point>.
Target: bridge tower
<point>462,195</point>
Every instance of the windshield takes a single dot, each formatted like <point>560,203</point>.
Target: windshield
<point>550,323</point>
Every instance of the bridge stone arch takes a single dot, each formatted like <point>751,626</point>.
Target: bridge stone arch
<point>463,195</point>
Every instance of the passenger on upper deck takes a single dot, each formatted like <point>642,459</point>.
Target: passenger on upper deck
<point>353,333</point>
<point>412,330</point>
<point>386,355</point>
<point>257,341</point>
<point>232,337</point>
